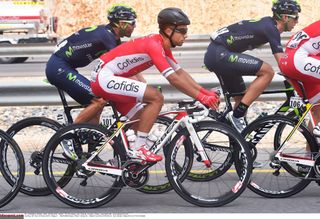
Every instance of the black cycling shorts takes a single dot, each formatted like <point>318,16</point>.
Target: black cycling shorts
<point>60,74</point>
<point>231,66</point>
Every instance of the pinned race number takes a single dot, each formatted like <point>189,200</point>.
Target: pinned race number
<point>296,102</point>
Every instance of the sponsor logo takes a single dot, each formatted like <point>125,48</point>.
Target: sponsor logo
<point>123,86</point>
<point>233,58</point>
<point>230,40</point>
<point>316,45</point>
<point>73,78</point>
<point>69,52</point>
<point>311,68</point>
<point>128,62</point>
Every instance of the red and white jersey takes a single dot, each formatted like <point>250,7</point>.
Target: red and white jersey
<point>307,40</point>
<point>137,55</point>
<point>302,61</point>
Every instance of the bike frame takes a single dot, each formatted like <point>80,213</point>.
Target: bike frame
<point>182,119</point>
<point>296,159</point>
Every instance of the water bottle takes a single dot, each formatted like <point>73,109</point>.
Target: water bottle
<point>131,137</point>
<point>153,137</point>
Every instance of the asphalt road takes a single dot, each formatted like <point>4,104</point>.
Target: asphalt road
<point>132,201</point>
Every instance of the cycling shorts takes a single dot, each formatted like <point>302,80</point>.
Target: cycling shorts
<point>60,74</point>
<point>300,66</point>
<point>231,66</point>
<point>126,93</point>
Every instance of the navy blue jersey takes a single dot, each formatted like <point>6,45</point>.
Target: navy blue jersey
<point>249,34</point>
<point>86,45</point>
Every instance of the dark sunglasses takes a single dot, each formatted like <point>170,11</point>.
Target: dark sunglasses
<point>132,22</point>
<point>181,30</point>
<point>294,17</point>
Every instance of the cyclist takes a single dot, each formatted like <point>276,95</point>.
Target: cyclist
<point>136,99</point>
<point>302,63</point>
<point>79,50</point>
<point>225,56</point>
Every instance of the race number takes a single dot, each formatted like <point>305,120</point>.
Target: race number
<point>296,102</point>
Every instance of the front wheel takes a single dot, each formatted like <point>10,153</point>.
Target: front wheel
<point>11,167</point>
<point>219,141</point>
<point>270,177</point>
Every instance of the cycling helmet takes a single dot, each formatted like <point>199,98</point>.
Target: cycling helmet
<point>285,7</point>
<point>172,16</point>
<point>121,12</point>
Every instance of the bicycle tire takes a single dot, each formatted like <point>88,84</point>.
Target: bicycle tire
<point>78,192</point>
<point>12,168</point>
<point>276,179</point>
<point>199,192</point>
<point>26,133</point>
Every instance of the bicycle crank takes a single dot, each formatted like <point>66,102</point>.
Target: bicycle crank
<point>134,174</point>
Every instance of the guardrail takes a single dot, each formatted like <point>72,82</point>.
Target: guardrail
<point>194,44</point>
<point>34,93</point>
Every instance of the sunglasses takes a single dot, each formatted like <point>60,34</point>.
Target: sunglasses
<point>294,17</point>
<point>132,22</point>
<point>181,30</point>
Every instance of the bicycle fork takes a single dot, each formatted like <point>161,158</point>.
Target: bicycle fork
<point>195,138</point>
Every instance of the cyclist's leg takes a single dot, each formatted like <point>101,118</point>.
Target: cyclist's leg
<point>60,74</point>
<point>126,93</point>
<point>264,77</point>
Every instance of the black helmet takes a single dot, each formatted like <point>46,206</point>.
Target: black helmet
<point>172,16</point>
<point>285,7</point>
<point>121,12</point>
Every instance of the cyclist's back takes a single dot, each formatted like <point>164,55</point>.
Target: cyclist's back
<point>249,34</point>
<point>86,45</point>
<point>137,55</point>
<point>302,60</point>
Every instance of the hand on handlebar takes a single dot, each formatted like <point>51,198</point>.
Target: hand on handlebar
<point>211,101</point>
<point>211,93</point>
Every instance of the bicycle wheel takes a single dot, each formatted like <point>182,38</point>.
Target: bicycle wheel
<point>12,168</point>
<point>219,141</point>
<point>32,134</point>
<point>158,182</point>
<point>272,178</point>
<point>68,180</point>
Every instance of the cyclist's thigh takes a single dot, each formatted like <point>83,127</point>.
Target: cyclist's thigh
<point>125,92</point>
<point>62,75</point>
<point>231,66</point>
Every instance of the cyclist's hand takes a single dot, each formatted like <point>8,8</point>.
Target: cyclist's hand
<point>210,101</point>
<point>211,93</point>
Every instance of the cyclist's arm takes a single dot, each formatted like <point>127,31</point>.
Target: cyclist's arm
<point>278,56</point>
<point>184,83</point>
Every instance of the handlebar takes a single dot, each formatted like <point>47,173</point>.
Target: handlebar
<point>199,115</point>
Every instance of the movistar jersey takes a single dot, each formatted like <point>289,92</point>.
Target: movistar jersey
<point>86,45</point>
<point>249,34</point>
